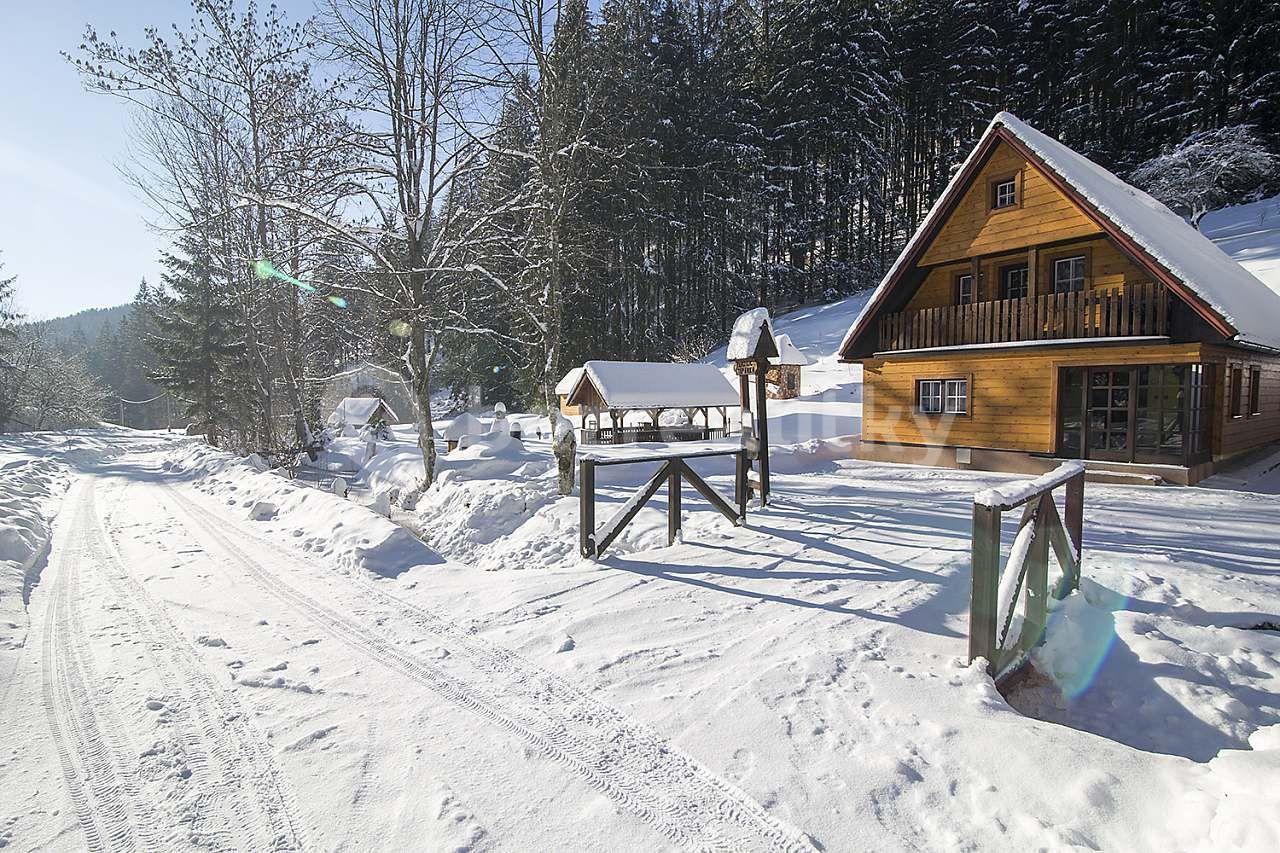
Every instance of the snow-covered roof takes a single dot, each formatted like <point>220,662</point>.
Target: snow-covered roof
<point>788,354</point>
<point>565,386</point>
<point>1224,286</point>
<point>359,410</point>
<point>745,337</point>
<point>657,385</point>
<point>464,424</point>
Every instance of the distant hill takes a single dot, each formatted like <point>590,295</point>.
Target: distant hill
<point>89,321</point>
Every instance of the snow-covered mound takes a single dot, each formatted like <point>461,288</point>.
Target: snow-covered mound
<point>320,522</point>
<point>30,492</point>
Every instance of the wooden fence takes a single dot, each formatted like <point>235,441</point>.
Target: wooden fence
<point>1027,571</point>
<point>592,540</point>
<point>632,435</point>
<point>1140,309</point>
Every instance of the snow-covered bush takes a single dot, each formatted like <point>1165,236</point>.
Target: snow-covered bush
<point>1207,170</point>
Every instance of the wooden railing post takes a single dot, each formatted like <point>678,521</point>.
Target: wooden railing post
<point>1037,580</point>
<point>673,505</point>
<point>1074,519</point>
<point>983,605</point>
<point>587,507</point>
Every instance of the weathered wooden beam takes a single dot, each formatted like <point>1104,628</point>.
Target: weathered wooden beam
<point>610,530</point>
<point>1037,580</point>
<point>984,583</point>
<point>712,496</point>
<point>673,504</point>
<point>587,507</point>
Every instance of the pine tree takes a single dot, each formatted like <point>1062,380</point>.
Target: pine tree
<point>198,351</point>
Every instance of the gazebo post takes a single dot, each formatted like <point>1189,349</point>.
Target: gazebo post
<point>762,429</point>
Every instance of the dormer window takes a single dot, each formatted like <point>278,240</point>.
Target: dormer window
<point>1004,193</point>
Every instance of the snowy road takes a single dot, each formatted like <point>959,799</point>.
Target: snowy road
<point>184,676</point>
<point>141,705</point>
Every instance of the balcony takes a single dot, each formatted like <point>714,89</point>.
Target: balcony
<point>1139,309</point>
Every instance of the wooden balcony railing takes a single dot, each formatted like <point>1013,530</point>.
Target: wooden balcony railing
<point>1139,309</point>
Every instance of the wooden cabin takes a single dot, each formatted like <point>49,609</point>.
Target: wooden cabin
<point>618,389</point>
<point>359,412</point>
<point>564,388</point>
<point>783,377</point>
<point>1045,309</point>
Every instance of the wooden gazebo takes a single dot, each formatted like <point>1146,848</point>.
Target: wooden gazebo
<point>618,388</point>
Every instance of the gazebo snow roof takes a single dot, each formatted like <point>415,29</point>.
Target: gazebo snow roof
<point>788,353</point>
<point>565,386</point>
<point>653,385</point>
<point>360,410</point>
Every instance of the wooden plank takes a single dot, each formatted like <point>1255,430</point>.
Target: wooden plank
<point>984,583</point>
<point>586,507</point>
<point>673,505</point>
<point>612,528</point>
<point>712,496</point>
<point>1037,580</point>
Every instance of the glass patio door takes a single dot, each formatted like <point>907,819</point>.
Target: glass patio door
<point>1109,414</point>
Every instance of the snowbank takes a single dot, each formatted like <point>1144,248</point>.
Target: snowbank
<point>31,491</point>
<point>320,522</point>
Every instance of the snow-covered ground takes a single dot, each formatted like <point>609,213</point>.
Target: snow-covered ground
<point>202,670</point>
<point>1249,233</point>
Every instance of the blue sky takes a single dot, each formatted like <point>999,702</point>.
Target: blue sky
<point>71,228</point>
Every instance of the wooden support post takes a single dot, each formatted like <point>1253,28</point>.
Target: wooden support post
<point>587,507</point>
<point>740,490</point>
<point>1036,586</point>
<point>762,431</point>
<point>1074,513</point>
<point>673,505</point>
<point>985,582</point>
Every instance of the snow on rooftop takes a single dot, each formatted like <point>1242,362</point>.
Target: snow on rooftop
<point>1232,291</point>
<point>565,386</point>
<point>788,353</point>
<point>463,425</point>
<point>358,410</point>
<point>652,385</point>
<point>745,336</point>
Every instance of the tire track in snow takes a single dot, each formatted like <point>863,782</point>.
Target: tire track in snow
<point>632,765</point>
<point>103,791</point>
<point>243,801</point>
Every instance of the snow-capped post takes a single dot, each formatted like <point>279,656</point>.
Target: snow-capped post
<point>751,345</point>
<point>564,444</point>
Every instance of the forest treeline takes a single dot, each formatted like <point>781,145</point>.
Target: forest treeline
<point>491,191</point>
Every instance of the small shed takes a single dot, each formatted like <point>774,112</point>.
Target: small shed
<point>360,412</point>
<point>783,375</point>
<point>564,388</point>
<point>463,425</point>
<point>617,388</point>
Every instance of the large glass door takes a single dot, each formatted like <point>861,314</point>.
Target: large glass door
<point>1109,414</point>
<point>1153,413</point>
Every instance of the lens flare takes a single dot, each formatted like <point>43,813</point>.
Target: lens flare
<point>399,328</point>
<point>264,270</point>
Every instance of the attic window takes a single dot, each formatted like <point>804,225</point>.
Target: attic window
<point>1004,193</point>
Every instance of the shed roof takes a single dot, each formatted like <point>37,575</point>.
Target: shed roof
<point>1222,287</point>
<point>655,385</point>
<point>360,410</point>
<point>565,386</point>
<point>788,353</point>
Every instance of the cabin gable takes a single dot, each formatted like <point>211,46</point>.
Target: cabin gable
<point>1041,214</point>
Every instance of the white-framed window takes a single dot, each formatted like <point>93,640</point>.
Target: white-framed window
<point>1068,274</point>
<point>964,289</point>
<point>956,398</point>
<point>1014,282</point>
<point>943,396</point>
<point>1004,193</point>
